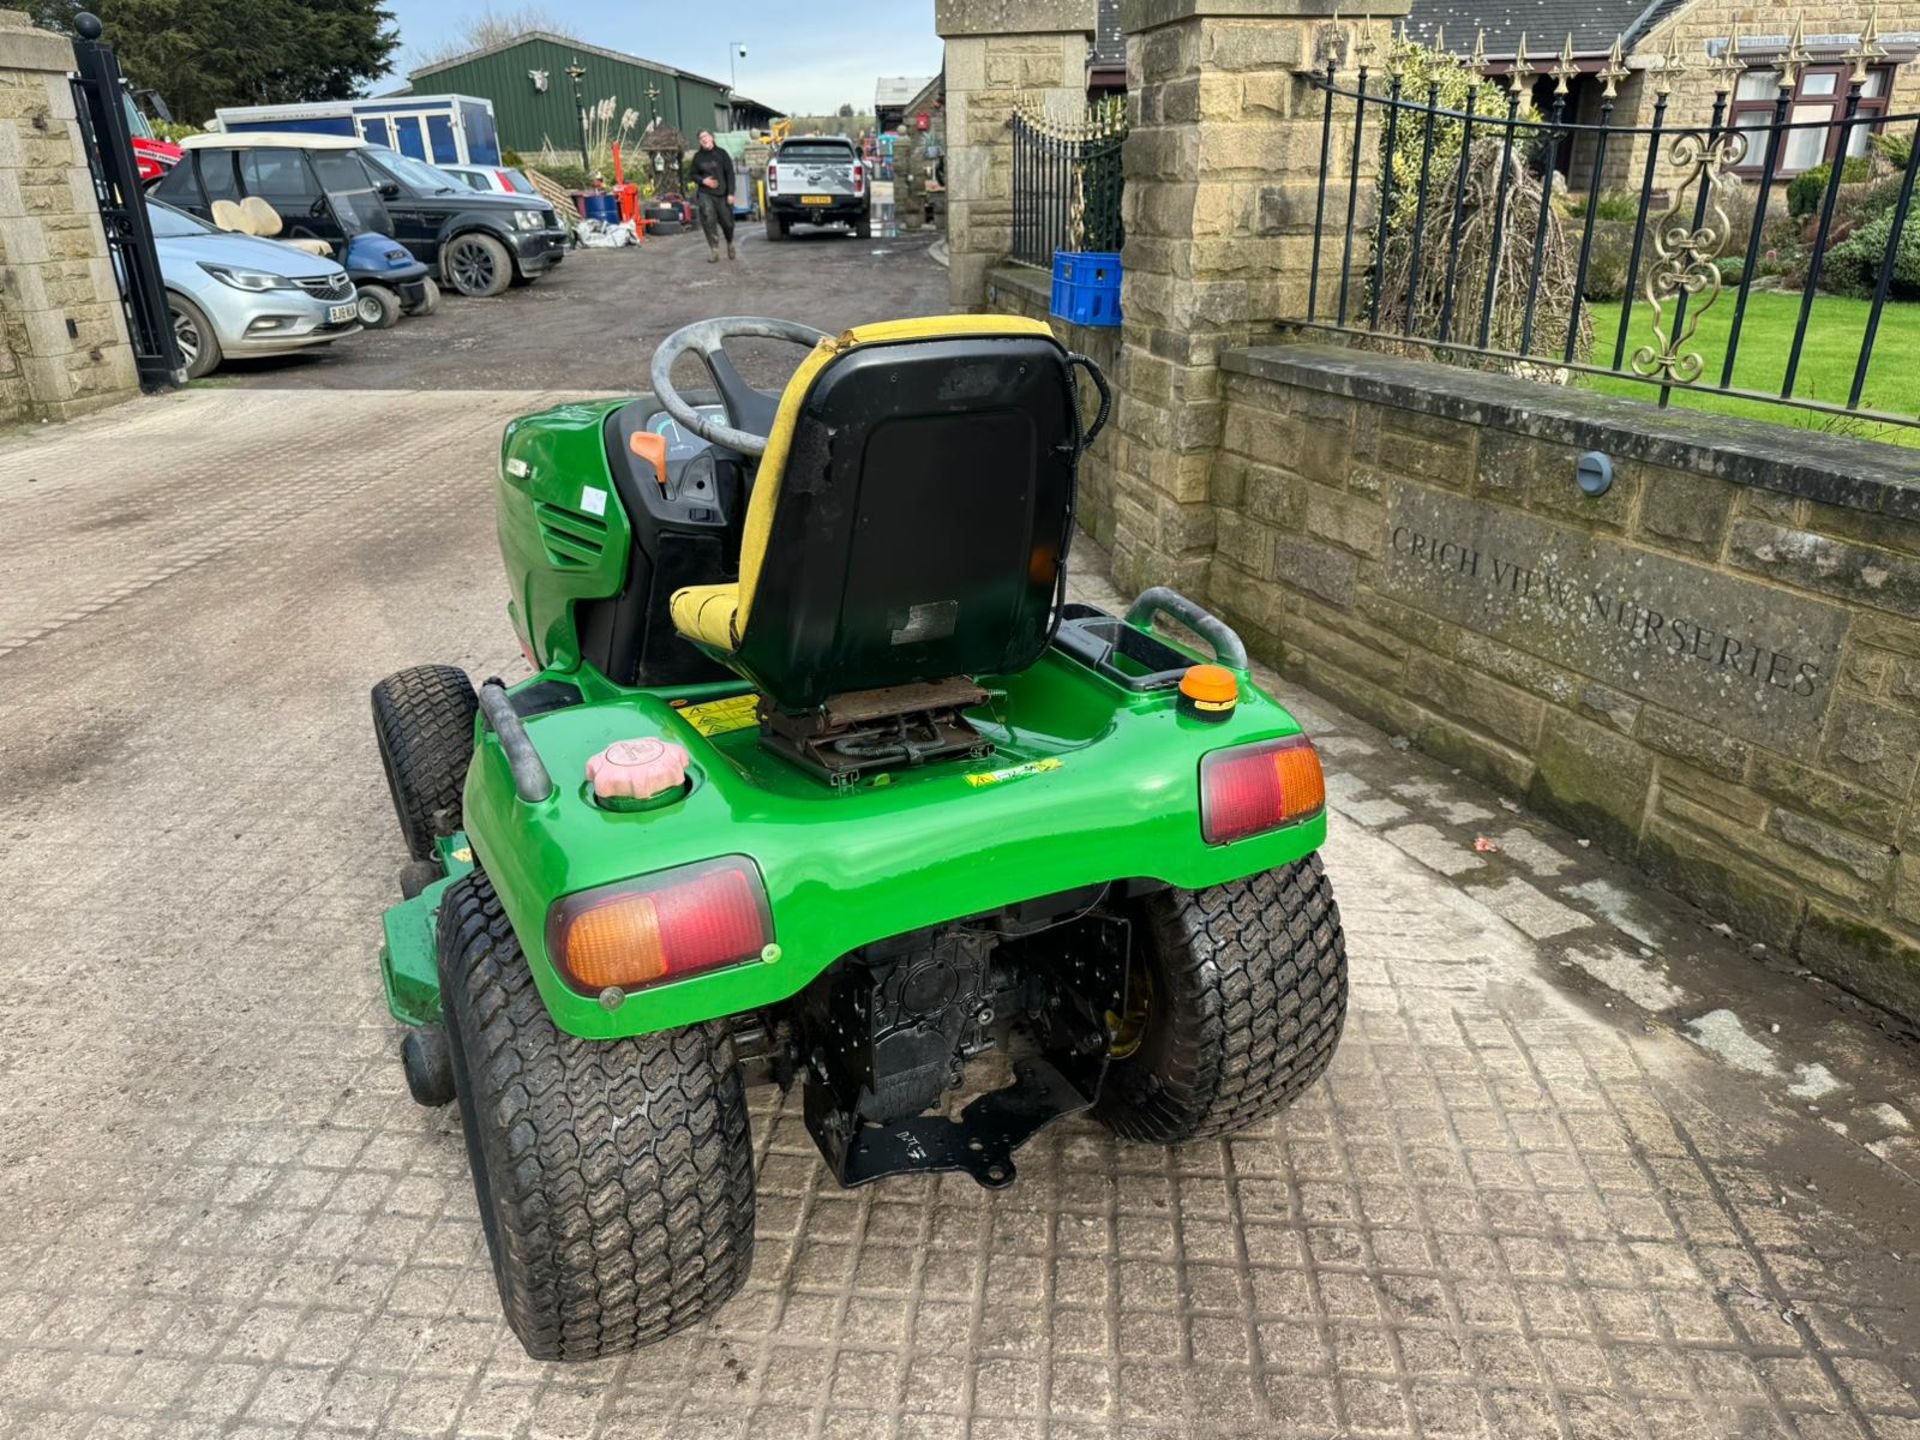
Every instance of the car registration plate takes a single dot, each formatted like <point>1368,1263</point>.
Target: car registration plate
<point>340,314</point>
<point>816,199</point>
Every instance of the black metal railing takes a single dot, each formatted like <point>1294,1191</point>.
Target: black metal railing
<point>1463,213</point>
<point>1067,182</point>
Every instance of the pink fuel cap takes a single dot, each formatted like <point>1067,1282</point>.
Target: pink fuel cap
<point>638,769</point>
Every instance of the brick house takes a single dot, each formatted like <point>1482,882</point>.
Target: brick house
<point>1700,32</point>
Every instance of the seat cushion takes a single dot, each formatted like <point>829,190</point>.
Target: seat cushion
<point>705,614</point>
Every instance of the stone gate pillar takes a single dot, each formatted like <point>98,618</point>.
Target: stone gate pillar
<point>999,52</point>
<point>1222,169</point>
<point>63,338</point>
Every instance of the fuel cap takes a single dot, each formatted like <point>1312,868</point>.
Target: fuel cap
<point>638,769</point>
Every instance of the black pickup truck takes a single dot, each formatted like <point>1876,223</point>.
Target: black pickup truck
<point>818,180</point>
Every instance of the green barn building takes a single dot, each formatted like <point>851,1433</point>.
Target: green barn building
<point>533,93</point>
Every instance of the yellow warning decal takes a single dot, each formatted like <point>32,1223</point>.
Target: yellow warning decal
<point>721,717</point>
<point>1032,767</point>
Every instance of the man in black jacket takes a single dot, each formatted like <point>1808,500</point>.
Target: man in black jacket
<point>712,172</point>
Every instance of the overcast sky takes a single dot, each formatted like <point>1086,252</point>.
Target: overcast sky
<point>803,56</point>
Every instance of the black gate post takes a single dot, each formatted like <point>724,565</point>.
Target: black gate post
<point>99,96</point>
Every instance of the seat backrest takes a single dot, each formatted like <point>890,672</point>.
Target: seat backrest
<point>229,216</point>
<point>910,517</point>
<point>262,216</point>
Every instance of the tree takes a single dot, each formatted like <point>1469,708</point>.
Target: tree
<point>846,111</point>
<point>485,30</point>
<point>203,54</point>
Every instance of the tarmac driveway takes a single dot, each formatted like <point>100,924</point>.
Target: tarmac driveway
<point>1521,1204</point>
<point>592,324</point>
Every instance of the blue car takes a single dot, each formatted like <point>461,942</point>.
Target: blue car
<point>236,296</point>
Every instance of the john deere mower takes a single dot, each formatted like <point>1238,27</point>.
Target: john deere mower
<point>821,781</point>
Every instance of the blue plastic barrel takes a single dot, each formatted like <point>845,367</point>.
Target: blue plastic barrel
<point>601,206</point>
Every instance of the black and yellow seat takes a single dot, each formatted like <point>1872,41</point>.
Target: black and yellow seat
<point>910,516</point>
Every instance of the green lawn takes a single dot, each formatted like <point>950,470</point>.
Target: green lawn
<point>1766,335</point>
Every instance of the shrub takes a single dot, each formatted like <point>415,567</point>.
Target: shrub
<point>1607,260</point>
<point>1612,205</point>
<point>1853,267</point>
<point>566,176</point>
<point>1731,268</point>
<point>1806,190</point>
<point>1449,79</point>
<point>1896,149</point>
<point>511,159</point>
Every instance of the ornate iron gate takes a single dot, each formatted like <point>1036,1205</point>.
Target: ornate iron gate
<point>1066,182</point>
<point>99,99</point>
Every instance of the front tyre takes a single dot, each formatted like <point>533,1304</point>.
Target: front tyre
<point>423,721</point>
<point>429,300</point>
<point>476,265</point>
<point>1236,998</point>
<point>193,336</point>
<point>614,1177</point>
<point>378,307</point>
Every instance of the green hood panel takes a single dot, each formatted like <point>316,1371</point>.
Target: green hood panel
<point>563,533</point>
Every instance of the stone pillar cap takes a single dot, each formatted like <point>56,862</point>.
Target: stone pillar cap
<point>1138,15</point>
<point>955,18</point>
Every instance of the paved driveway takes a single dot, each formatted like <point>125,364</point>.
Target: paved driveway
<point>1522,1204</point>
<point>592,324</point>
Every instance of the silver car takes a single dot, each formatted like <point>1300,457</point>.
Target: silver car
<point>237,296</point>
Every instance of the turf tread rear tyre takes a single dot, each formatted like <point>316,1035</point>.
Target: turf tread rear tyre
<point>614,1177</point>
<point>423,721</point>
<point>1250,997</point>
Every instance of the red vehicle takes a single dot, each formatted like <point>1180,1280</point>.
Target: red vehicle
<point>153,155</point>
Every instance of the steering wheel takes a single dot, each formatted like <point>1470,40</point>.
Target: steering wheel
<point>744,404</point>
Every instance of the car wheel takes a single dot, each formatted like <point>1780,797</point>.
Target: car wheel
<point>776,227</point>
<point>476,265</point>
<point>193,335</point>
<point>863,227</point>
<point>430,302</point>
<point>379,307</point>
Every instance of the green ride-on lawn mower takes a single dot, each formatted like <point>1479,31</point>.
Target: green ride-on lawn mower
<point>821,781</point>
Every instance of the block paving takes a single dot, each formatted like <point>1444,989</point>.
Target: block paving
<point>1520,1204</point>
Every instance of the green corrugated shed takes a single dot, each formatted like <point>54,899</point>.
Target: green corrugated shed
<point>529,117</point>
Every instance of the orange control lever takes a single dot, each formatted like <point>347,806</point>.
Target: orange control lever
<point>653,449</point>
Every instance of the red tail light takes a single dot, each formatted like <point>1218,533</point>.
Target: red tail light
<point>773,178</point>
<point>1254,788</point>
<point>681,922</point>
<point>859,177</point>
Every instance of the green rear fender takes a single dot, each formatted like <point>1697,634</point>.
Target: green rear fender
<point>1087,785</point>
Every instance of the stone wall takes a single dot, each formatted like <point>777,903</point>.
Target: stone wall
<point>63,336</point>
<point>1016,290</point>
<point>999,53</point>
<point>1713,669</point>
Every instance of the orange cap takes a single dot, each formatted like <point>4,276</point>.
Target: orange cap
<point>1211,686</point>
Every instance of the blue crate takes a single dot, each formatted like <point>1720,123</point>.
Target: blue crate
<point>1086,287</point>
